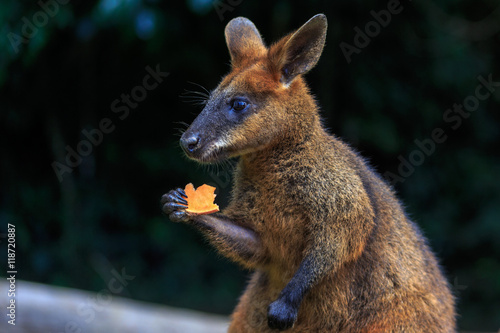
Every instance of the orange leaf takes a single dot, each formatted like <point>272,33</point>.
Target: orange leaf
<point>201,200</point>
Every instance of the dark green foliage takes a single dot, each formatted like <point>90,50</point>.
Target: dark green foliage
<point>105,215</point>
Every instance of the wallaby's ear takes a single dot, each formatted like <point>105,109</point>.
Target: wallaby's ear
<point>243,40</point>
<point>303,49</point>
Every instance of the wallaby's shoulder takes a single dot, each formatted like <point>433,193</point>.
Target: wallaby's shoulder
<point>320,175</point>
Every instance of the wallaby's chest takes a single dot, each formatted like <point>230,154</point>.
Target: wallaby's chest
<point>270,206</point>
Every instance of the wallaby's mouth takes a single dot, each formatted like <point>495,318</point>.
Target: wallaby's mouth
<point>210,154</point>
<point>201,151</point>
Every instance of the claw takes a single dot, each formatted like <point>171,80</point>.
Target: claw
<point>180,199</point>
<point>171,207</point>
<point>181,191</point>
<point>173,196</point>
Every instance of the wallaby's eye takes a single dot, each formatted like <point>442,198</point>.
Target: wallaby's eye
<point>239,104</point>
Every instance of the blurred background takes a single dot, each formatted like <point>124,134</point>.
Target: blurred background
<point>93,94</point>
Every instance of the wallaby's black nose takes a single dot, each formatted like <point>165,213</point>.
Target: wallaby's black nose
<point>189,143</point>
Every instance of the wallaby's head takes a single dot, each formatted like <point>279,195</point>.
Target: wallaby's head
<point>263,97</point>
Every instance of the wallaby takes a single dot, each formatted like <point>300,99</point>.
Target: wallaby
<point>329,244</point>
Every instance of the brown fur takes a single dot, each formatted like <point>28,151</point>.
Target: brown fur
<point>301,196</point>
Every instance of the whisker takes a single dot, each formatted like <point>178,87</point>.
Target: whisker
<point>182,123</point>
<point>193,98</point>
<point>179,132</point>
<point>200,93</point>
<point>202,87</point>
<point>196,97</point>
<point>196,102</point>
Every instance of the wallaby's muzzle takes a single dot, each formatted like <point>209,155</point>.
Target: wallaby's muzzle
<point>206,139</point>
<point>202,141</point>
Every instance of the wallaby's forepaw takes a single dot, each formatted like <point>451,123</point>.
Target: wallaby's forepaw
<point>174,205</point>
<point>281,315</point>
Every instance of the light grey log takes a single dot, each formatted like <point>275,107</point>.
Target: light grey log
<point>47,309</point>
